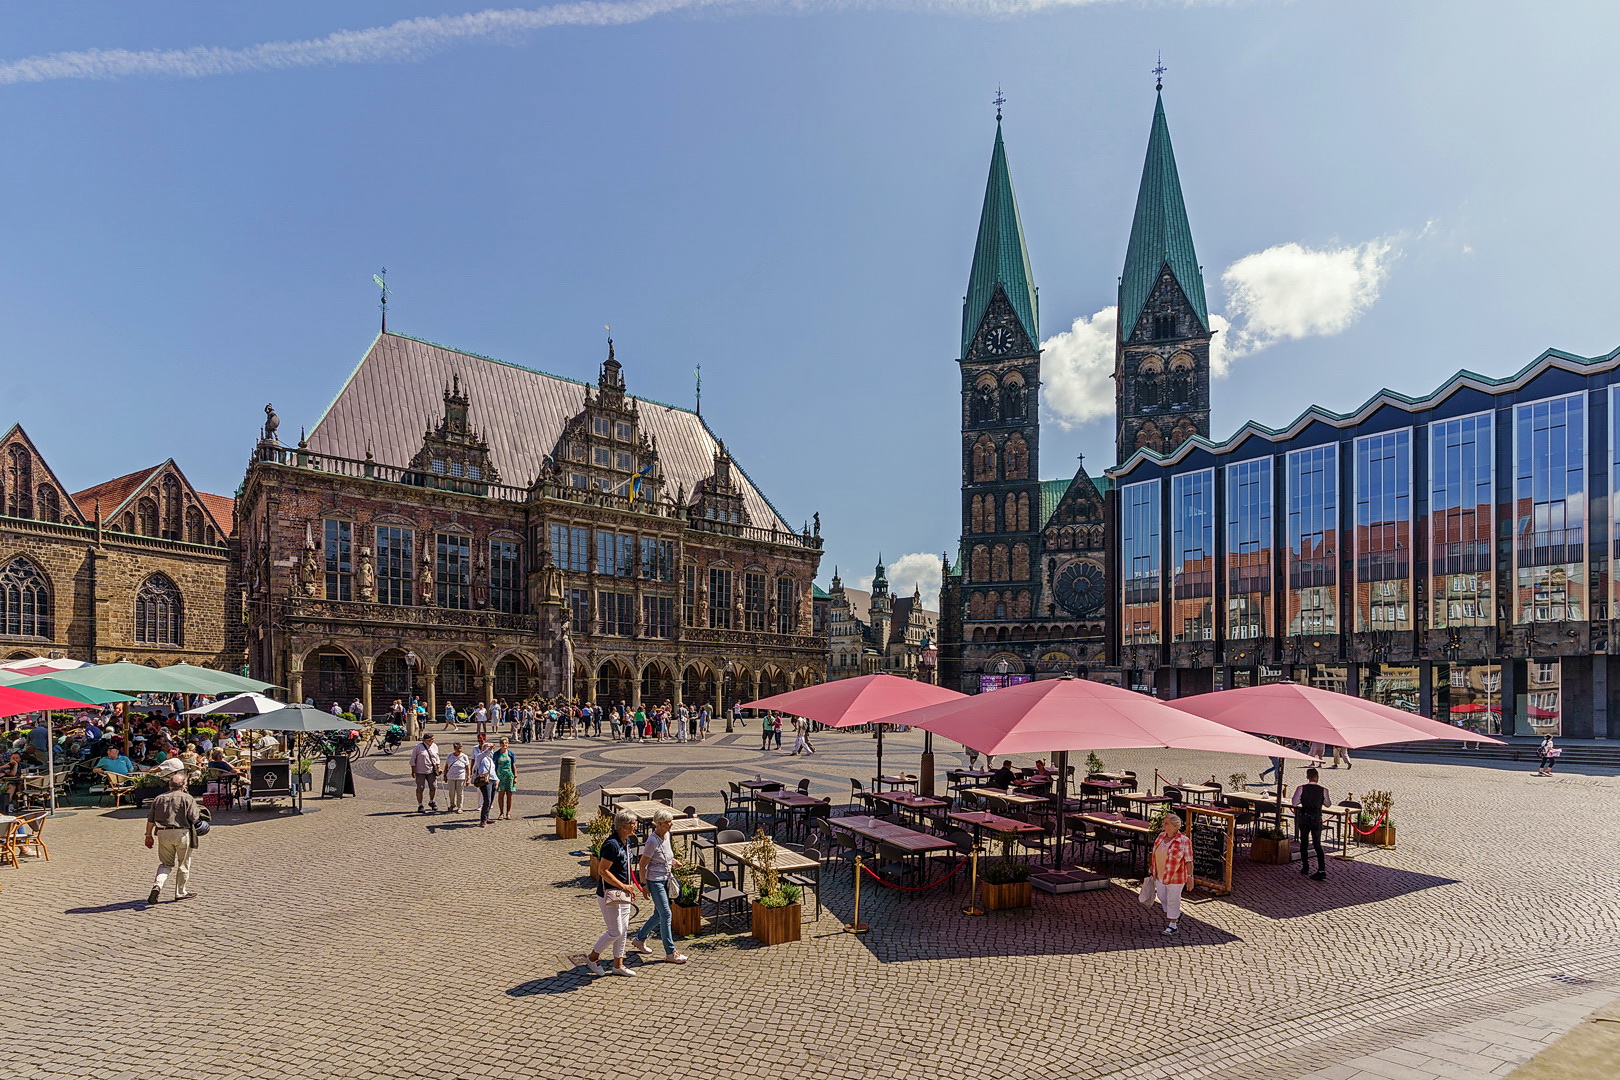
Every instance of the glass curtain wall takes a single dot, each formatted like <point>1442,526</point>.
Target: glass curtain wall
<point>1549,510</point>
<point>1313,541</point>
<point>1139,563</point>
<point>1462,514</point>
<point>1192,556</point>
<point>1383,531</point>
<point>1248,549</point>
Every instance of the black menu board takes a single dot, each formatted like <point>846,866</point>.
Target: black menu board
<point>1211,832</point>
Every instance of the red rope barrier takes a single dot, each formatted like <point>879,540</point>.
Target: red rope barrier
<point>916,888</point>
<point>1372,829</point>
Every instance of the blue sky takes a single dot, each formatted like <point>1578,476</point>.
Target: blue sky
<point>1381,192</point>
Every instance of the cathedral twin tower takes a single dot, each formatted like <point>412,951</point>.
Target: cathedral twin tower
<point>1031,569</point>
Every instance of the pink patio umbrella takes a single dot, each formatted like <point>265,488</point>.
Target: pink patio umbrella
<point>1077,714</point>
<point>1291,710</point>
<point>852,702</point>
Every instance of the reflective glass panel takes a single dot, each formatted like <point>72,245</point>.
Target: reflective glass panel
<point>1549,510</point>
<point>1139,563</point>
<point>1462,509</point>
<point>1192,556</point>
<point>1248,549</point>
<point>1313,540</point>
<point>1383,532</point>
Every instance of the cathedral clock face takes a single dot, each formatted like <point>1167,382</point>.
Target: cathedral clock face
<point>1079,588</point>
<point>999,339</point>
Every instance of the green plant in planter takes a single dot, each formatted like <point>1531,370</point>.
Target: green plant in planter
<point>1238,781</point>
<point>1268,832</point>
<point>687,877</point>
<point>1007,869</point>
<point>1375,804</point>
<point>599,829</point>
<point>567,807</point>
<point>1094,764</point>
<point>304,767</point>
<point>768,887</point>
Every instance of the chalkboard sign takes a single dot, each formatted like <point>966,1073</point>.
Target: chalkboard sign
<point>1212,834</point>
<point>338,781</point>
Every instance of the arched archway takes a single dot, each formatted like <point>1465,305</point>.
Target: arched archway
<point>657,683</point>
<point>393,679</point>
<point>698,686</point>
<point>456,683</point>
<point>772,680</point>
<point>613,682</point>
<point>331,676</point>
<point>515,677</point>
<point>584,691</point>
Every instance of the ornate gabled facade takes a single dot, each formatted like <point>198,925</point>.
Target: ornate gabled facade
<point>1026,594</point>
<point>872,632</point>
<point>544,538</point>
<point>135,568</point>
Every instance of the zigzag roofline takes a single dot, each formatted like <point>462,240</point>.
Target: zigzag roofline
<point>1463,379</point>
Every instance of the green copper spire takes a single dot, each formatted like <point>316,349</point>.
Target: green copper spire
<point>1159,234</point>
<point>1000,258</point>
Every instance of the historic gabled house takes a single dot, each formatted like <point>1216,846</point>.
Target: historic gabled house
<point>468,529</point>
<point>872,632</point>
<point>137,568</point>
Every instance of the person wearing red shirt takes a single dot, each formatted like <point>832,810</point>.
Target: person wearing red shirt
<point>1172,866</point>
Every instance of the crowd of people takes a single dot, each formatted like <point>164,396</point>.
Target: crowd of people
<point>491,769</point>
<point>535,721</point>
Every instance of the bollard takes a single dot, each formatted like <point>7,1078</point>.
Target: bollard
<point>855,926</point>
<point>973,907</point>
<point>565,774</point>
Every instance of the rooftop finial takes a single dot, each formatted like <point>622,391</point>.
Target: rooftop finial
<point>998,101</point>
<point>1158,73</point>
<point>382,283</point>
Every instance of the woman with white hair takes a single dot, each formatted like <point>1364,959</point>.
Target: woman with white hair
<point>613,896</point>
<point>657,867</point>
<point>1172,866</point>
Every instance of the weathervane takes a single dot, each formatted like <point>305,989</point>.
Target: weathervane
<point>1158,72</point>
<point>382,283</point>
<point>999,100</point>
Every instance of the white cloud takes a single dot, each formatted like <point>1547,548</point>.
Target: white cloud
<point>1291,291</point>
<point>412,39</point>
<point>1283,293</point>
<point>1075,370</point>
<point>919,570</point>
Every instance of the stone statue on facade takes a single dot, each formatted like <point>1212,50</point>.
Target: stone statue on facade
<point>427,580</point>
<point>271,423</point>
<point>309,569</point>
<point>368,576</point>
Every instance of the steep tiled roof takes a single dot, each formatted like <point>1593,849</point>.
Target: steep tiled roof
<point>113,494</point>
<point>222,507</point>
<point>1159,233</point>
<point>397,392</point>
<point>1000,257</point>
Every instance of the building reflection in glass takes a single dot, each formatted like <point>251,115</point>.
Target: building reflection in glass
<point>1139,563</point>
<point>1248,549</point>
<point>1383,531</point>
<point>1461,515</point>
<point>1313,540</point>
<point>1549,510</point>
<point>1192,556</point>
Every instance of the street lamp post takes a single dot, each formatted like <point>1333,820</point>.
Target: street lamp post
<point>410,688</point>
<point>731,706</point>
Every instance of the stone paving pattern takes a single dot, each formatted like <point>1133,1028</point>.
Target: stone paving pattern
<point>361,939</point>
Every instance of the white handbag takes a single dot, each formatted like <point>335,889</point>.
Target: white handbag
<point>1150,887</point>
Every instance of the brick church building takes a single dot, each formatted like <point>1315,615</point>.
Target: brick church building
<point>1027,594</point>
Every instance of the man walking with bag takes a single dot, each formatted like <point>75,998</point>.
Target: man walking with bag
<point>425,768</point>
<point>169,822</point>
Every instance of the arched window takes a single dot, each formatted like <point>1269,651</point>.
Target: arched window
<point>19,482</point>
<point>146,517</point>
<point>158,615</point>
<point>1023,513</point>
<point>25,600</point>
<point>1009,516</point>
<point>1017,458</point>
<point>47,504</point>
<point>977,516</point>
<point>1020,562</point>
<point>194,525</point>
<point>979,563</point>
<point>998,563</point>
<point>1012,398</point>
<point>172,507</point>
<point>984,459</point>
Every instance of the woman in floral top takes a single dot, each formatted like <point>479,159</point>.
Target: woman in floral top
<point>1172,866</point>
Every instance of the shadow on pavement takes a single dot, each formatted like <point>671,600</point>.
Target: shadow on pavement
<point>564,982</point>
<point>103,909</point>
<point>1282,892</point>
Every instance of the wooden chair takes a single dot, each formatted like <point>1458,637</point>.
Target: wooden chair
<point>114,787</point>
<point>808,879</point>
<point>719,896</point>
<point>30,827</point>
<point>9,846</point>
<point>664,795</point>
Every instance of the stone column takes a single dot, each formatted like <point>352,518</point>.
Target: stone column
<point>365,688</point>
<point>590,686</point>
<point>429,673</point>
<point>295,679</point>
<point>489,686</point>
<point>635,687</point>
<point>753,682</point>
<point>680,680</point>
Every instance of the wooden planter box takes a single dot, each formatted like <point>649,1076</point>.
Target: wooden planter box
<point>688,921</point>
<point>596,868</point>
<point>1383,836</point>
<point>1274,852</point>
<point>1013,895</point>
<point>567,828</point>
<point>776,925</point>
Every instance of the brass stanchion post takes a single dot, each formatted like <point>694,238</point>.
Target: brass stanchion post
<point>973,907</point>
<point>855,926</point>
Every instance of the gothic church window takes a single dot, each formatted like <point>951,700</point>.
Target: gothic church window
<point>999,563</point>
<point>984,460</point>
<point>25,600</point>
<point>1023,512</point>
<point>172,505</point>
<point>1017,458</point>
<point>158,612</point>
<point>47,504</point>
<point>976,516</point>
<point>1010,516</point>
<point>1020,563</point>
<point>1147,437</point>
<point>194,525</point>
<point>146,515</point>
<point>19,482</point>
<point>1164,326</point>
<point>980,563</point>
<point>1013,398</point>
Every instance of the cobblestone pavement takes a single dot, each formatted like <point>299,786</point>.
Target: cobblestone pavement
<point>361,939</point>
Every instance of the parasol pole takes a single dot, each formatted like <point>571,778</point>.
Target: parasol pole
<point>50,763</point>
<point>879,776</point>
<point>1061,759</point>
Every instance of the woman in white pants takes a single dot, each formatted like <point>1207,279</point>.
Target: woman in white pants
<point>613,896</point>
<point>1172,866</point>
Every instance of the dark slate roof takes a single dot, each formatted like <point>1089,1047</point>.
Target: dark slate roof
<point>1000,257</point>
<point>397,392</point>
<point>1159,234</point>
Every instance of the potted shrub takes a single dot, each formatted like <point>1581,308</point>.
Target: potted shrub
<point>1271,845</point>
<point>567,810</point>
<point>600,828</point>
<point>1094,764</point>
<point>1237,781</point>
<point>303,773</point>
<point>1375,811</point>
<point>1006,880</point>
<point>776,906</point>
<point>685,915</point>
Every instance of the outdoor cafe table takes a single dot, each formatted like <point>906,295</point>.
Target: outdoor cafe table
<point>982,819</point>
<point>1341,816</point>
<point>611,795</point>
<point>877,829</point>
<point>1140,830</point>
<point>643,809</point>
<point>1141,798</point>
<point>1200,793</point>
<point>908,801</point>
<point>794,802</point>
<point>894,781</point>
<point>786,860</point>
<point>1012,798</point>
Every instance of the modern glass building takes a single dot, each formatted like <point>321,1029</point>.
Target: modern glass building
<point>1447,554</point>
